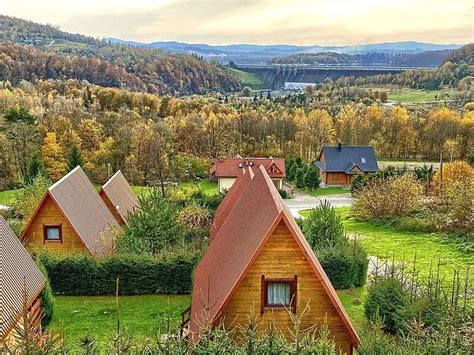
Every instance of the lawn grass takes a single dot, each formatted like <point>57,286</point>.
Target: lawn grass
<point>7,198</point>
<point>249,79</point>
<point>326,191</point>
<point>143,316</point>
<point>206,186</point>
<point>408,95</point>
<point>354,310</point>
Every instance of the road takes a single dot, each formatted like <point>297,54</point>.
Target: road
<point>307,202</point>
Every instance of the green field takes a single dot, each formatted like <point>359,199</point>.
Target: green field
<point>206,186</point>
<point>326,191</point>
<point>143,316</point>
<point>250,80</point>
<point>419,96</point>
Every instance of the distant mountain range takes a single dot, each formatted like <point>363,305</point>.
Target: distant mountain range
<point>243,53</point>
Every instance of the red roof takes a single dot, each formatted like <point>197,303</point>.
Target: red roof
<point>232,167</point>
<point>229,201</point>
<point>238,242</point>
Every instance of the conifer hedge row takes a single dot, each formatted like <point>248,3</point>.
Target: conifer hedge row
<point>138,274</point>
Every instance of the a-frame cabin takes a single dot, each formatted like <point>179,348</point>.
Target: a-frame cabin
<point>119,197</point>
<point>71,217</point>
<point>21,283</point>
<point>259,262</point>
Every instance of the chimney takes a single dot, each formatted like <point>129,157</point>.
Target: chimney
<point>339,145</point>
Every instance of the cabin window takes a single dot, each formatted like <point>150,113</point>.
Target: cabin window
<point>278,293</point>
<point>53,233</point>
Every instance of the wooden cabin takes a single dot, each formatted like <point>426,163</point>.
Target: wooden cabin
<point>119,197</point>
<point>259,263</point>
<point>71,217</point>
<point>337,165</point>
<point>226,171</point>
<point>21,283</point>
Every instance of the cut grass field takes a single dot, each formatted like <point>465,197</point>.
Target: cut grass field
<point>144,316</point>
<point>418,96</point>
<point>249,79</point>
<point>327,191</point>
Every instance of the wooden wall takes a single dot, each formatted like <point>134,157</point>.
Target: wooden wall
<point>111,207</point>
<point>50,214</point>
<point>281,257</point>
<point>338,178</point>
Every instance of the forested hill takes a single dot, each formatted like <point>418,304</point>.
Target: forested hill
<point>429,58</point>
<point>123,66</point>
<point>463,55</point>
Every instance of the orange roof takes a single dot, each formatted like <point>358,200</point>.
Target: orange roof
<point>18,272</point>
<point>121,195</point>
<point>82,206</point>
<point>237,244</point>
<point>232,167</point>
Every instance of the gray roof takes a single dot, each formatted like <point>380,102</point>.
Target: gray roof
<point>345,158</point>
<point>18,272</point>
<point>120,193</point>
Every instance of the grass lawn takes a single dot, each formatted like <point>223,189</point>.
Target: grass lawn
<point>407,95</point>
<point>326,191</point>
<point>145,316</point>
<point>249,79</point>
<point>355,311</point>
<point>7,197</point>
<point>206,186</point>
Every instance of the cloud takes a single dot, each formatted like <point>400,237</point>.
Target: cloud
<point>257,21</point>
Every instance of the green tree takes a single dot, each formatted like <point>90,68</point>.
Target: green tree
<point>35,168</point>
<point>300,174</point>
<point>75,158</point>
<point>30,195</point>
<point>246,91</point>
<point>153,227</point>
<point>323,227</point>
<point>292,171</point>
<point>311,179</point>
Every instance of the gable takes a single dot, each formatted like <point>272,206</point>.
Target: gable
<point>282,258</point>
<point>123,200</point>
<point>49,213</point>
<point>273,169</point>
<point>355,170</point>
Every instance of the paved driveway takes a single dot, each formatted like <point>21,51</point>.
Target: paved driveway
<point>307,202</point>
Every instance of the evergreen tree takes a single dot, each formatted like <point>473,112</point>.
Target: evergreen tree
<point>75,158</point>
<point>35,168</point>
<point>292,171</point>
<point>269,96</point>
<point>300,174</point>
<point>311,179</point>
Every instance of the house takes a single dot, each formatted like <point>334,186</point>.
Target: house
<point>338,164</point>
<point>226,171</point>
<point>21,283</point>
<point>71,217</point>
<point>259,263</point>
<point>119,197</point>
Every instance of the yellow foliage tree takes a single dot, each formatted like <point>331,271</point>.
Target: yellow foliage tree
<point>52,157</point>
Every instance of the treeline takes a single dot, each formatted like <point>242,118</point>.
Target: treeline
<point>154,138</point>
<point>428,58</point>
<point>72,56</point>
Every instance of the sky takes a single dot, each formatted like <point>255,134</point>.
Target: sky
<point>299,22</point>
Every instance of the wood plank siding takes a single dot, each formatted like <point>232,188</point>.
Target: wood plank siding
<point>281,257</point>
<point>50,214</point>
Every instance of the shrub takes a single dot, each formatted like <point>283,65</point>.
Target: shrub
<point>358,182</point>
<point>323,227</point>
<point>283,193</point>
<point>345,264</point>
<point>292,171</point>
<point>27,199</point>
<point>395,196</point>
<point>152,227</point>
<point>388,299</point>
<point>300,174</point>
<point>47,299</point>
<point>79,274</point>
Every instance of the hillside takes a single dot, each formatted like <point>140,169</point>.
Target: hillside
<point>133,68</point>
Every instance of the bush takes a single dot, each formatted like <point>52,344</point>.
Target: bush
<point>396,196</point>
<point>311,179</point>
<point>293,168</point>
<point>283,193</point>
<point>47,299</point>
<point>79,274</point>
<point>345,264</point>
<point>323,227</point>
<point>388,299</point>
<point>300,174</point>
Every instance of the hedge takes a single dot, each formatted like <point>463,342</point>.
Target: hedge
<point>345,265</point>
<point>85,275</point>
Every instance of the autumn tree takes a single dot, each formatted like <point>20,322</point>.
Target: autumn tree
<point>52,157</point>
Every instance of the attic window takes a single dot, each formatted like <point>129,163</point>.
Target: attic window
<point>278,293</point>
<point>53,233</point>
<point>362,160</point>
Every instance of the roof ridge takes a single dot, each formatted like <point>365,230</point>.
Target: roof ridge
<point>65,177</point>
<point>118,172</point>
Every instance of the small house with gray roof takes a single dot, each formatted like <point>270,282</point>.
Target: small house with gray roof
<point>338,164</point>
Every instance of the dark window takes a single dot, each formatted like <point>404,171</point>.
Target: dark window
<point>279,293</point>
<point>53,233</point>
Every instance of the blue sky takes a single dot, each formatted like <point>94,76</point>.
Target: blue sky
<point>302,22</point>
